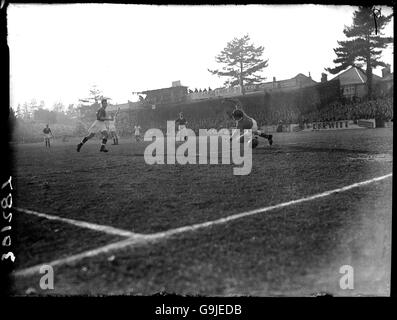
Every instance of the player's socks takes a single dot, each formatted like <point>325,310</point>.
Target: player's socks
<point>85,139</point>
<point>103,149</point>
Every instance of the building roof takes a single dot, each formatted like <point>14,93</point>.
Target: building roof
<point>298,76</point>
<point>354,75</point>
<point>306,78</point>
<point>156,90</point>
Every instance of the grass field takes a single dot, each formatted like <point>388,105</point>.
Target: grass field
<point>159,240</point>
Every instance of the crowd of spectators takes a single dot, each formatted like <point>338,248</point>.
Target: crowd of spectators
<point>380,109</point>
<point>200,90</point>
<point>216,116</point>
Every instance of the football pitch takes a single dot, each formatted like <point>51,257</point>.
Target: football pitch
<point>111,224</point>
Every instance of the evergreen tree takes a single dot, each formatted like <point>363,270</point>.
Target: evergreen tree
<point>26,111</point>
<point>90,105</point>
<point>96,94</point>
<point>19,113</point>
<point>364,43</point>
<point>241,61</point>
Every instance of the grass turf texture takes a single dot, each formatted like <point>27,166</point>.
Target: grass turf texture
<point>294,250</point>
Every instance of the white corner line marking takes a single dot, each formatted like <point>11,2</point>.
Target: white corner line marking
<point>82,224</point>
<point>140,239</point>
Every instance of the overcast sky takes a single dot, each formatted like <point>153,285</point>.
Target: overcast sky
<point>57,52</point>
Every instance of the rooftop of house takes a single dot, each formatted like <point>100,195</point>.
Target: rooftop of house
<point>354,75</point>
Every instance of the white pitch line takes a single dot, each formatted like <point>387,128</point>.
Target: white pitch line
<point>90,253</point>
<point>82,224</point>
<point>262,210</point>
<point>144,239</point>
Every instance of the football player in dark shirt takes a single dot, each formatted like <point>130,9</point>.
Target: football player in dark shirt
<point>245,122</point>
<point>99,125</point>
<point>47,135</point>
<point>181,122</point>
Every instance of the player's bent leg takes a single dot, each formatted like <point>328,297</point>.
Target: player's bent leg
<point>85,139</point>
<point>269,137</point>
<point>252,142</point>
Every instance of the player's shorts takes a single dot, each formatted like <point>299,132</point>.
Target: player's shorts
<point>98,126</point>
<point>110,126</point>
<point>47,135</point>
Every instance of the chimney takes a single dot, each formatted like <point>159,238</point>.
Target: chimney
<point>386,71</point>
<point>324,77</point>
<point>310,75</point>
<point>274,79</point>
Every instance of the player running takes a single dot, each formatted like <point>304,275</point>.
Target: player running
<point>137,133</point>
<point>181,122</point>
<point>99,125</point>
<point>245,122</point>
<point>47,135</point>
<point>112,128</point>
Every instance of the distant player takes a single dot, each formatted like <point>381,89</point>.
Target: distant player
<point>47,135</point>
<point>181,122</point>
<point>112,128</point>
<point>245,122</point>
<point>99,125</point>
<point>137,133</point>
